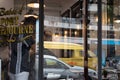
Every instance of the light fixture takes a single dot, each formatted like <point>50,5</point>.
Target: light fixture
<point>75,33</point>
<point>117,19</point>
<point>65,32</point>
<point>56,34</point>
<point>22,22</point>
<point>33,4</point>
<point>30,13</point>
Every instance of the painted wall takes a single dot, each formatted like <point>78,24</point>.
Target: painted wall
<point>7,4</point>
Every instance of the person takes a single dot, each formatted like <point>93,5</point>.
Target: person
<point>32,71</point>
<point>19,63</point>
<point>19,66</point>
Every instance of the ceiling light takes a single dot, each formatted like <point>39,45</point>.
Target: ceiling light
<point>30,13</point>
<point>117,19</point>
<point>34,4</point>
<point>22,22</point>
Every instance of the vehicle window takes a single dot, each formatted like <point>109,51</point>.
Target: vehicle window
<point>82,53</point>
<point>52,63</point>
<point>66,53</point>
<point>90,54</point>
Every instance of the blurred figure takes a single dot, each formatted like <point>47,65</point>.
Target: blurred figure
<point>19,53</point>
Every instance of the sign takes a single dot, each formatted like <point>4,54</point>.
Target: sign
<point>9,24</point>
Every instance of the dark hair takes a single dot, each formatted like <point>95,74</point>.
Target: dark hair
<point>30,20</point>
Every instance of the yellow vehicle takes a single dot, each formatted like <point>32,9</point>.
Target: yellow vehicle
<point>71,53</point>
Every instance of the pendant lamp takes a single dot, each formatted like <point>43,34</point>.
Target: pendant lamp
<point>31,13</point>
<point>117,17</point>
<point>33,4</point>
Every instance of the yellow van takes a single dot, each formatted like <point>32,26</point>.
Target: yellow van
<point>71,53</point>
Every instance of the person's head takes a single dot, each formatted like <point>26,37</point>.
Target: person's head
<point>30,20</point>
